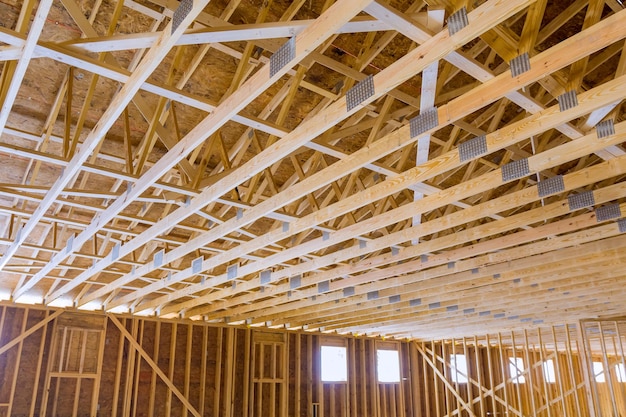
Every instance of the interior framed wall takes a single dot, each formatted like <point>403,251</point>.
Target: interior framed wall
<point>59,362</point>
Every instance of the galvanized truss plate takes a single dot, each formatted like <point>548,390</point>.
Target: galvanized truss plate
<point>582,200</point>
<point>69,246</point>
<point>295,282</point>
<point>605,129</point>
<point>115,252</point>
<point>415,302</point>
<point>360,92</point>
<point>516,169</point>
<point>520,64</point>
<point>473,148</point>
<point>372,295</point>
<point>428,119</point>
<point>568,100</point>
<point>285,226</point>
<point>196,265</point>
<point>285,54</point>
<point>621,223</point>
<point>266,277</point>
<point>231,271</point>
<point>608,212</point>
<point>181,12</point>
<point>394,299</point>
<point>395,251</point>
<point>551,186</point>
<point>348,291</point>
<point>158,258</point>
<point>457,21</point>
<point>323,286</point>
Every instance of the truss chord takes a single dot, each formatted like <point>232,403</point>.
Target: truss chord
<point>376,143</point>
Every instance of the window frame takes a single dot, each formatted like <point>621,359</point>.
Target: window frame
<point>549,371</point>
<point>336,343</point>
<point>454,371</point>
<point>598,376</point>
<point>388,346</point>
<point>516,372</point>
<point>620,372</point>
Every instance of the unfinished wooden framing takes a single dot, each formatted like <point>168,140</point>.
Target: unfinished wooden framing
<point>275,165</point>
<point>69,363</point>
<point>196,196</point>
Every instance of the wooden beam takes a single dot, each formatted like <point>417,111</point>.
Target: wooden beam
<point>349,272</point>
<point>427,101</point>
<point>391,77</point>
<point>307,40</point>
<point>504,137</point>
<point>410,29</point>
<point>235,33</point>
<point>538,65</point>
<point>151,60</point>
<point>78,60</point>
<point>27,52</point>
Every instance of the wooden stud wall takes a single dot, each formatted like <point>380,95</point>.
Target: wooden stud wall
<point>65,363</point>
<point>606,340</point>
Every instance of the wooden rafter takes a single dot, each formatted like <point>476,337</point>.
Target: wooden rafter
<point>184,171</point>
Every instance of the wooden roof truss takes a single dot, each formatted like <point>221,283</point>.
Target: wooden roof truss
<point>414,169</point>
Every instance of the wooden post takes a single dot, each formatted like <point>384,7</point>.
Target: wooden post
<point>218,373</point>
<point>203,366</point>
<point>42,345</point>
<point>46,390</point>
<point>570,363</point>
<point>546,393</point>
<point>531,374</point>
<point>18,358</point>
<point>142,325</point>
<point>584,352</point>
<point>118,375</point>
<point>607,370</point>
<point>153,376</point>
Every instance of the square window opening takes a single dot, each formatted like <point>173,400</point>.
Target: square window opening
<point>620,370</point>
<point>458,368</point>
<point>516,369</point>
<point>388,365</point>
<point>334,364</point>
<point>548,371</point>
<point>598,372</point>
